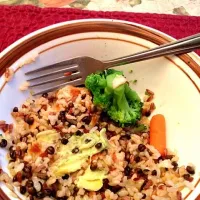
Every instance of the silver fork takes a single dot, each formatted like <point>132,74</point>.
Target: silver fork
<point>74,71</point>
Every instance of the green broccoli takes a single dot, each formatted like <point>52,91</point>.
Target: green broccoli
<point>97,83</point>
<point>141,128</point>
<point>122,104</point>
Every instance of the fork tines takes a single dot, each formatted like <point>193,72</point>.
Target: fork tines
<point>52,77</point>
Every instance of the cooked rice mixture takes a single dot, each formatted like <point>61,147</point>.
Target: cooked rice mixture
<point>47,160</point>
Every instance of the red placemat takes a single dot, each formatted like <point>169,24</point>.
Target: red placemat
<point>17,21</point>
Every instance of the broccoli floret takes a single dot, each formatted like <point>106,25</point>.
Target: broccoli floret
<point>96,83</point>
<point>122,104</point>
<point>112,71</point>
<point>126,105</point>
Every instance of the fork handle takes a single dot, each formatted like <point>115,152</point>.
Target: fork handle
<point>181,46</point>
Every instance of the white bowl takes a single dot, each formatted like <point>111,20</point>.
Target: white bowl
<point>174,79</point>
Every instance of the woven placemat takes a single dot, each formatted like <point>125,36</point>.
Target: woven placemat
<point>18,21</point>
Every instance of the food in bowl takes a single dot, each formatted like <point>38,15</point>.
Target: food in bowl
<point>92,142</point>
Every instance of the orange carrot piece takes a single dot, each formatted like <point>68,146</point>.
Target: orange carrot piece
<point>158,133</point>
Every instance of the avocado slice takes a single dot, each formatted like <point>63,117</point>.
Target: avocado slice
<point>91,180</point>
<point>68,161</point>
<point>49,136</point>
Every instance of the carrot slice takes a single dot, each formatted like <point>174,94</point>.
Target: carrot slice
<point>158,133</point>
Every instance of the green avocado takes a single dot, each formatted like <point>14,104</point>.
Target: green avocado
<point>91,180</point>
<point>68,161</point>
<point>49,136</point>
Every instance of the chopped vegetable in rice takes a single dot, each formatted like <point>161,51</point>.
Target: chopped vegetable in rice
<point>71,145</point>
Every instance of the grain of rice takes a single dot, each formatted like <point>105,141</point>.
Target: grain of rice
<point>51,180</point>
<point>24,86</point>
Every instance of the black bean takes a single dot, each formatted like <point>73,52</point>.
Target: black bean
<point>75,150</point>
<point>147,113</point>
<point>105,182</point>
<point>29,120</point>
<point>190,170</point>
<point>13,154</point>
<point>139,171</point>
<point>15,109</point>
<point>29,183</point>
<point>144,196</point>
<point>59,118</point>
<point>127,171</point>
<point>53,192</point>
<point>22,189</point>
<point>27,175</point>
<point>137,159</point>
<point>3,143</point>
<point>32,191</point>
<point>64,141</point>
<point>45,95</point>
<point>50,150</point>
<point>175,164</point>
<point>104,117</point>
<point>27,169</point>
<point>125,137</point>
<point>141,147</point>
<point>186,177</point>
<point>63,119</point>
<point>40,195</point>
<point>115,189</point>
<point>76,190</point>
<point>79,133</point>
<point>86,119</point>
<point>87,141</point>
<point>83,96</point>
<point>105,185</point>
<point>15,179</point>
<point>127,156</point>
<point>70,105</point>
<point>48,192</point>
<point>66,176</point>
<point>62,113</point>
<point>98,145</point>
<point>154,173</point>
<point>93,166</point>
